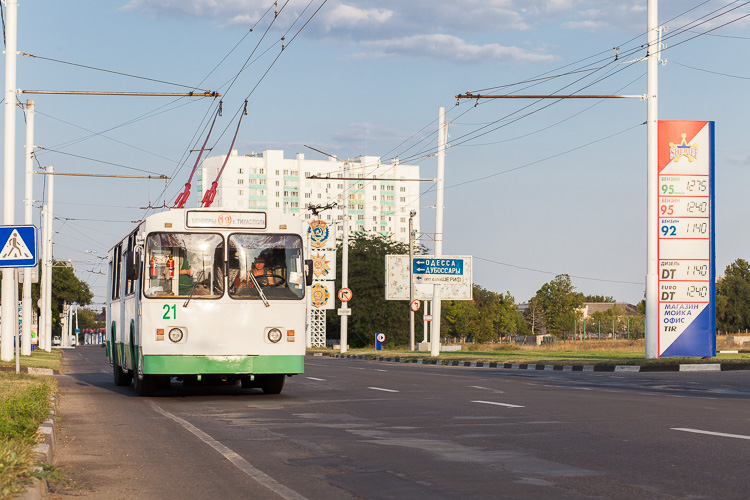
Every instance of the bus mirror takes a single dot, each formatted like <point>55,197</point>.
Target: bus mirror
<point>309,273</point>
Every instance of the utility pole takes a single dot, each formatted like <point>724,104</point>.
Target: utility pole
<point>345,261</point>
<point>9,326</point>
<point>652,276</point>
<point>26,305</point>
<point>47,285</point>
<point>411,278</point>
<point>437,288</point>
<point>44,341</point>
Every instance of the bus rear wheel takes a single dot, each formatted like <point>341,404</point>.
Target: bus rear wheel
<point>272,384</point>
<point>122,378</point>
<point>145,385</point>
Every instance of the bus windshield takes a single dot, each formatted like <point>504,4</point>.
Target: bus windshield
<point>184,265</point>
<point>274,261</point>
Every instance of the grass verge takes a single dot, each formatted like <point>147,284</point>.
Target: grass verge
<point>561,353</point>
<point>38,359</point>
<point>24,404</point>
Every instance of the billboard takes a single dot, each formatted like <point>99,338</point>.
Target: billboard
<point>686,246</point>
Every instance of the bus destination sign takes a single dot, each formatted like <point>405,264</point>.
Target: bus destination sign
<point>225,219</point>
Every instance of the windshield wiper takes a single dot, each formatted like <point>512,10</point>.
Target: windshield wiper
<point>260,291</point>
<point>195,283</point>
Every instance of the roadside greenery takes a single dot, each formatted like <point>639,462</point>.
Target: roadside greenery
<point>24,404</point>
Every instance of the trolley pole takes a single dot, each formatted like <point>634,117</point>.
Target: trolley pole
<point>26,306</point>
<point>411,278</point>
<point>437,290</point>
<point>9,327</point>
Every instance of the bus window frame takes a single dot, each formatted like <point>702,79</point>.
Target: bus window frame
<point>302,268</point>
<point>146,256</point>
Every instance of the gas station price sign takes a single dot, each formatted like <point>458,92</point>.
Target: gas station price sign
<point>686,248</point>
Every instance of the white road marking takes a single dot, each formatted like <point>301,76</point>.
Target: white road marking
<point>487,389</point>
<point>318,379</point>
<point>381,389</point>
<point>379,370</point>
<point>498,404</point>
<point>720,434</point>
<point>239,462</point>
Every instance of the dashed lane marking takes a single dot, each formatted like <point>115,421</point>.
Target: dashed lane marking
<point>318,379</point>
<point>498,404</point>
<point>710,433</point>
<point>381,389</point>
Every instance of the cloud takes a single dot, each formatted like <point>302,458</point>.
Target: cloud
<point>448,47</point>
<point>348,16</point>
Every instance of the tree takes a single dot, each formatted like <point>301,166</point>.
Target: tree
<point>733,297</point>
<point>559,304</point>
<point>598,298</point>
<point>371,312</point>
<point>66,287</point>
<point>486,318</point>
<point>534,315</point>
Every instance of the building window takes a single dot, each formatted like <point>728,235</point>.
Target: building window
<point>239,170</point>
<point>260,171</point>
<point>286,172</point>
<point>402,199</point>
<point>307,174</point>
<point>403,229</point>
<point>277,172</point>
<point>374,198</point>
<point>307,195</point>
<point>402,189</point>
<point>277,204</point>
<point>277,183</point>
<point>319,196</point>
<point>239,191</point>
<point>240,181</point>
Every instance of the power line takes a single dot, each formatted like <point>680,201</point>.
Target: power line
<point>112,71</point>
<point>557,274</point>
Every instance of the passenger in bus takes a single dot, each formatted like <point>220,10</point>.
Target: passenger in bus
<point>186,277</point>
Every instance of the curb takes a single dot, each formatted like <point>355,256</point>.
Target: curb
<point>684,367</point>
<point>45,450</point>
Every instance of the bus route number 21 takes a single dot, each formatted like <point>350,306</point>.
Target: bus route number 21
<point>169,310</point>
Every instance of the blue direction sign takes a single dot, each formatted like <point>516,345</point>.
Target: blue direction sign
<point>18,246</point>
<point>454,267</point>
<point>443,270</point>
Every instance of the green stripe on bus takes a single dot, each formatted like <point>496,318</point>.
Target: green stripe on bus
<point>193,365</point>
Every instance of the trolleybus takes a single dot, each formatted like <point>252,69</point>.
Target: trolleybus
<point>207,295</point>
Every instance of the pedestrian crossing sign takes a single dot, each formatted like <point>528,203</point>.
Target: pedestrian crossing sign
<point>18,246</point>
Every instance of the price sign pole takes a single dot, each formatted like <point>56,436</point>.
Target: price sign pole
<point>686,248</point>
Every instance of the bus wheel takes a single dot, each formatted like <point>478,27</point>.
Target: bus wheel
<point>272,384</point>
<point>144,384</point>
<point>122,379</point>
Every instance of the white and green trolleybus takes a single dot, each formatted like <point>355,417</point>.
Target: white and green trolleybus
<point>207,295</point>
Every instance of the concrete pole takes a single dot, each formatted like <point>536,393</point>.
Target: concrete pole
<point>437,289</point>
<point>652,261</point>
<point>48,256</point>
<point>9,287</point>
<point>411,279</point>
<point>345,260</point>
<point>26,305</point>
<point>42,288</point>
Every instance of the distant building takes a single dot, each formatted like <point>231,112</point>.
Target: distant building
<point>590,308</point>
<point>380,197</point>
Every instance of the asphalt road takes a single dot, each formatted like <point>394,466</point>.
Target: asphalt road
<point>376,430</point>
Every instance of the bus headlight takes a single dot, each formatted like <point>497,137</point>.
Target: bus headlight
<point>175,335</point>
<point>274,335</point>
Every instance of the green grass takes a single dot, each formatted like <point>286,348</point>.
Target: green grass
<point>560,353</point>
<point>24,404</point>
<point>38,359</point>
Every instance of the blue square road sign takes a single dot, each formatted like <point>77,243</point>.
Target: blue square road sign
<point>18,246</point>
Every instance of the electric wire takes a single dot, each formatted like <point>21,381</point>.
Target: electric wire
<point>557,274</point>
<point>98,161</point>
<point>192,87</point>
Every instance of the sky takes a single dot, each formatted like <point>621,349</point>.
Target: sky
<point>533,188</point>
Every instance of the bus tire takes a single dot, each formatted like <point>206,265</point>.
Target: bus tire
<point>122,379</point>
<point>272,384</point>
<point>144,384</point>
